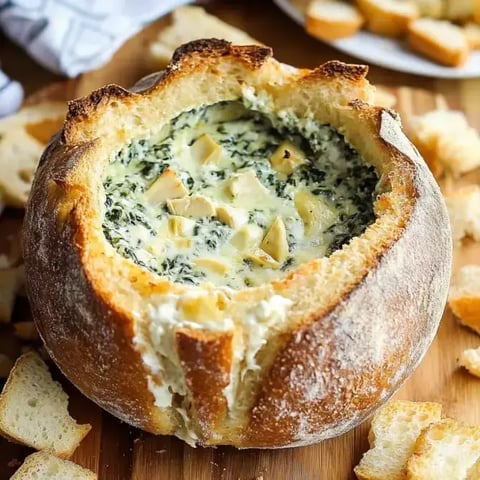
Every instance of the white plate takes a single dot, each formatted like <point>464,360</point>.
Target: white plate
<point>391,53</point>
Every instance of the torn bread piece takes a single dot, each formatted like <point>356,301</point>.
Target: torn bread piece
<point>447,449</point>
<point>332,19</point>
<point>392,437</point>
<point>388,17</point>
<point>23,137</point>
<point>34,409</point>
<point>441,41</point>
<point>463,206</point>
<point>446,141</point>
<point>192,23</point>
<point>470,360</point>
<point>464,296</point>
<point>44,466</point>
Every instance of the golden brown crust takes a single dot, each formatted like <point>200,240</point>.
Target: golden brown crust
<point>338,357</point>
<point>206,359</point>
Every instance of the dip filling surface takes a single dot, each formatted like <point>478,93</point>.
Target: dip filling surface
<point>232,196</point>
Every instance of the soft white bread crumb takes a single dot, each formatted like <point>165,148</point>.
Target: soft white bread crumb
<point>392,438</point>
<point>383,98</point>
<point>444,450</point>
<point>431,8</point>
<point>193,23</point>
<point>447,142</point>
<point>34,409</point>
<point>470,359</point>
<point>464,211</point>
<point>332,19</point>
<point>441,41</point>
<point>388,17</point>
<point>472,31</point>
<point>44,466</point>
<point>464,296</point>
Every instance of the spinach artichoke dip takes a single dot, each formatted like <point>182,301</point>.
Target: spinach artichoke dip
<point>234,196</point>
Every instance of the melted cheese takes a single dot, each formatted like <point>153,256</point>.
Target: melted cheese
<point>259,194</point>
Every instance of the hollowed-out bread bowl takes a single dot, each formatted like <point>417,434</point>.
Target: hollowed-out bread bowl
<point>295,334</point>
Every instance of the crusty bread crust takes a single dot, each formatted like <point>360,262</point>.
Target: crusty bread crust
<point>360,320</point>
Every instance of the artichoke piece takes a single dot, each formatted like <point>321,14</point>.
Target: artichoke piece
<point>166,186</point>
<point>275,241</point>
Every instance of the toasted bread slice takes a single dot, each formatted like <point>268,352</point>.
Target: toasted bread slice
<point>464,297</point>
<point>470,359</point>
<point>388,17</point>
<point>44,466</point>
<point>431,8</point>
<point>192,23</point>
<point>447,449</point>
<point>23,137</point>
<point>472,31</point>
<point>458,10</point>
<point>441,41</point>
<point>34,409</point>
<point>332,19</point>
<point>464,210</point>
<point>392,438</point>
<point>447,142</point>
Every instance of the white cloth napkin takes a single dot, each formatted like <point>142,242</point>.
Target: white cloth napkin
<point>74,36</point>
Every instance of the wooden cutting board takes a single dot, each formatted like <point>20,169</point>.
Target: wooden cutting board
<point>118,452</point>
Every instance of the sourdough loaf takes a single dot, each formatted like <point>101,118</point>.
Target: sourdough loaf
<point>291,361</point>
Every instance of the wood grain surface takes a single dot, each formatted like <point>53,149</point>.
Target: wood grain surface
<point>118,452</point>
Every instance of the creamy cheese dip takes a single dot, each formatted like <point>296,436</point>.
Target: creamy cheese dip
<point>235,197</point>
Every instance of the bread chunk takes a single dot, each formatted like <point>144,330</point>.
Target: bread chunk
<point>464,297</point>
<point>464,210</point>
<point>392,438</point>
<point>470,359</point>
<point>34,409</point>
<point>331,20</point>
<point>447,449</point>
<point>44,466</point>
<point>441,41</point>
<point>447,142</point>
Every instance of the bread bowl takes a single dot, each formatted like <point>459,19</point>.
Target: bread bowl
<point>290,357</point>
